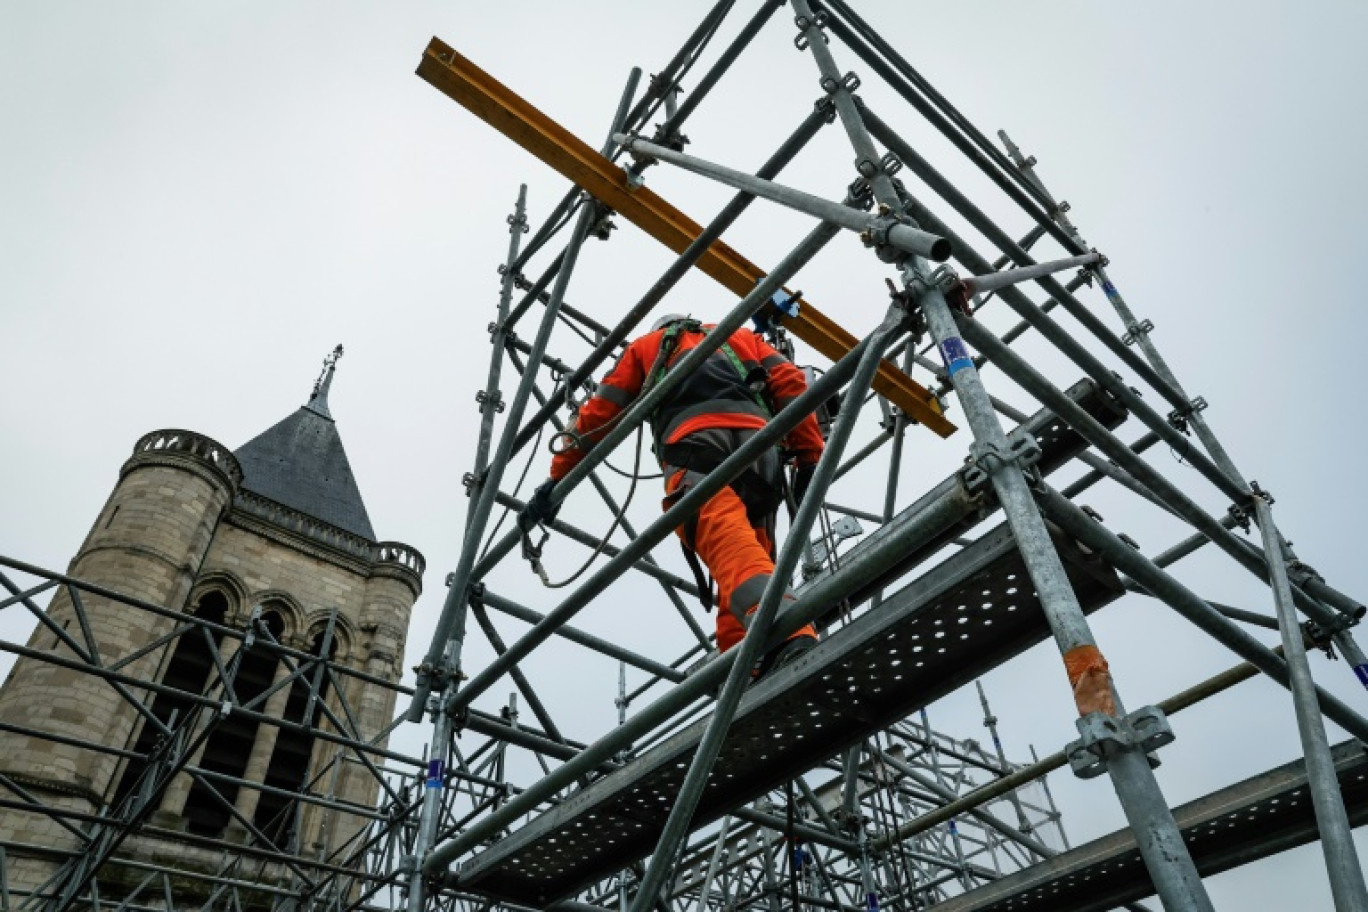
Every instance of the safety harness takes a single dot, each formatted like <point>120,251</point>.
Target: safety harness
<point>753,379</point>
<point>758,498</point>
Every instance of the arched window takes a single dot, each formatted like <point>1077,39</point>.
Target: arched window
<point>276,815</point>
<point>230,746</point>
<point>188,672</point>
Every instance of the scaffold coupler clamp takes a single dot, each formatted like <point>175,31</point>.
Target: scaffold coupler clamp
<point>859,195</point>
<point>489,400</point>
<point>914,318</point>
<point>249,640</point>
<point>943,279</point>
<point>818,20</point>
<point>669,138</point>
<point>1239,516</point>
<point>603,225</point>
<point>1135,330</point>
<point>471,482</point>
<point>1315,636</point>
<point>1178,418</point>
<point>1103,737</point>
<point>848,822</point>
<point>986,457</point>
<point>782,304</point>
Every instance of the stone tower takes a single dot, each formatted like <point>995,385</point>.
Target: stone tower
<point>274,536</point>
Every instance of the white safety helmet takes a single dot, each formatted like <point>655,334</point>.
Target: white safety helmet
<point>666,320</point>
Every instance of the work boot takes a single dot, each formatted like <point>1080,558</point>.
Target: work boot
<point>783,654</point>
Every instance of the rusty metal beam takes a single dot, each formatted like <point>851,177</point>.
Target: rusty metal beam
<point>491,101</point>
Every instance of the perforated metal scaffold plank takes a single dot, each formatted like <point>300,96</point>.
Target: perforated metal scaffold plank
<point>1250,820</point>
<point>958,621</point>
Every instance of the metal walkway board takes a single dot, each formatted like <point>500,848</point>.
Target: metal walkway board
<point>1245,822</point>
<point>956,622</point>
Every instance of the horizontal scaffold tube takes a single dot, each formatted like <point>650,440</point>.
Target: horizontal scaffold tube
<point>903,237</point>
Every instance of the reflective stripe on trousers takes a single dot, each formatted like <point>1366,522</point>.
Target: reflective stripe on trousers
<point>737,554</point>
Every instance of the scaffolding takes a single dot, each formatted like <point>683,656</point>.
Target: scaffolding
<point>824,785</point>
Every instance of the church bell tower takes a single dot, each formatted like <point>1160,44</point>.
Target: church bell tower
<point>273,541</point>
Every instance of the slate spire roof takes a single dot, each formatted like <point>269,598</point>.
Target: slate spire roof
<point>300,463</point>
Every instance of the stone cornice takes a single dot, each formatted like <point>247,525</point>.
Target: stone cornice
<point>305,544</point>
<point>316,538</point>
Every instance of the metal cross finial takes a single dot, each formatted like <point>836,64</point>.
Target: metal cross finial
<point>318,401</point>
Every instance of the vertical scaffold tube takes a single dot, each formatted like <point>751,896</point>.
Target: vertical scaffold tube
<point>435,782</point>
<point>488,486</point>
<point>1337,842</point>
<point>489,404</point>
<point>1161,844</point>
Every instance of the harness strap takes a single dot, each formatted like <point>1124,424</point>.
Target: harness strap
<point>670,341</point>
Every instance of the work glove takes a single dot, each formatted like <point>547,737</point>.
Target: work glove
<point>802,478</point>
<point>540,508</point>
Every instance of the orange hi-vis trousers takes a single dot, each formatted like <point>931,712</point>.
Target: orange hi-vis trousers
<point>738,555</point>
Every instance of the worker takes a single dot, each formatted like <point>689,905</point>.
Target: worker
<point>722,402</point>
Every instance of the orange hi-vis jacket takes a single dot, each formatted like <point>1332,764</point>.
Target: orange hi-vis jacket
<point>713,396</point>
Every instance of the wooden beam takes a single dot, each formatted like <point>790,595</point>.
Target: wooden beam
<point>491,101</point>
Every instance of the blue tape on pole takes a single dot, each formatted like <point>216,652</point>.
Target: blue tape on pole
<point>434,776</point>
<point>872,902</point>
<point>1109,290</point>
<point>786,304</point>
<point>955,355</point>
<point>1362,672</point>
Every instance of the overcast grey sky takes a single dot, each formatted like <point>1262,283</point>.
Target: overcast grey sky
<point>197,201</point>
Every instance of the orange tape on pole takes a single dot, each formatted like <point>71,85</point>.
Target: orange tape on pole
<point>1090,679</point>
<point>510,114</point>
